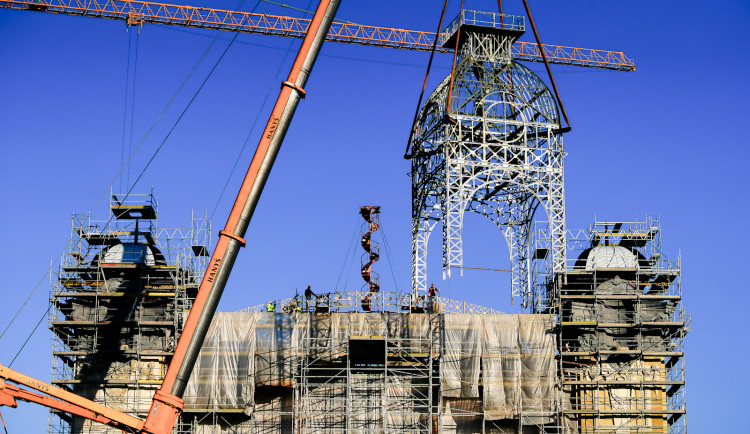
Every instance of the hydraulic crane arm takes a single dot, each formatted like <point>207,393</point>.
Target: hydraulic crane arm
<point>9,394</point>
<point>61,399</point>
<point>167,402</point>
<point>138,12</point>
<point>231,238</point>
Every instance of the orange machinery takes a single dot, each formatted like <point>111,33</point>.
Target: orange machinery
<point>167,402</point>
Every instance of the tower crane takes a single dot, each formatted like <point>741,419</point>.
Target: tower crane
<point>167,403</point>
<point>136,12</point>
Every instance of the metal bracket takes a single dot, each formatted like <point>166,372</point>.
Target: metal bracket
<point>301,91</point>
<point>233,236</point>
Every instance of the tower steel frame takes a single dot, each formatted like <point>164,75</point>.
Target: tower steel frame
<point>488,140</point>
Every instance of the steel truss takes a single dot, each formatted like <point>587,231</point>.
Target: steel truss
<point>488,141</point>
<point>135,13</point>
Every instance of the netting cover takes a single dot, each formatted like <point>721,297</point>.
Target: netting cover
<point>277,347</point>
<point>459,364</point>
<point>516,354</point>
<point>536,341</point>
<point>501,367</point>
<point>223,373</point>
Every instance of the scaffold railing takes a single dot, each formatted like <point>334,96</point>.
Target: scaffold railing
<point>383,301</point>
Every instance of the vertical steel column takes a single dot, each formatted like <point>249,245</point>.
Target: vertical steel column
<point>167,402</point>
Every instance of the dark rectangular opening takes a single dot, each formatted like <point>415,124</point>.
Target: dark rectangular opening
<point>367,352</point>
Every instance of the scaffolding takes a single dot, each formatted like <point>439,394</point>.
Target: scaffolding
<point>337,372</point>
<point>621,329</point>
<point>601,351</point>
<point>121,295</point>
<point>373,374</point>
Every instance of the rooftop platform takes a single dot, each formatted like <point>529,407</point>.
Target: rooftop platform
<point>484,22</point>
<point>133,206</point>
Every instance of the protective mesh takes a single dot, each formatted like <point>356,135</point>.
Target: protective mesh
<point>516,354</point>
<point>459,364</point>
<point>223,373</point>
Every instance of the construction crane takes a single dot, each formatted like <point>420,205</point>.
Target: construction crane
<point>135,12</point>
<point>167,402</point>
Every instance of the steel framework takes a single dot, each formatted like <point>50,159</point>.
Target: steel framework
<point>487,140</point>
<point>139,12</point>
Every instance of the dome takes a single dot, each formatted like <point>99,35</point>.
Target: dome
<point>611,257</point>
<point>130,253</point>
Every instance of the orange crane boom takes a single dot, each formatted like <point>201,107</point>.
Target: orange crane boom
<point>136,12</point>
<point>167,402</point>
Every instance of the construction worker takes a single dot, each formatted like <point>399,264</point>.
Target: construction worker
<point>367,302</point>
<point>271,306</point>
<point>433,291</point>
<point>308,295</point>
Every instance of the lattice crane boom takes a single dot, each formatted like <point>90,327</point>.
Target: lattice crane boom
<point>136,12</point>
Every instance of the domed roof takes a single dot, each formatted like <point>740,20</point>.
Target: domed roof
<point>611,257</point>
<point>128,253</point>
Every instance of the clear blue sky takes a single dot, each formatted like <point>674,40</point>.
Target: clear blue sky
<point>667,139</point>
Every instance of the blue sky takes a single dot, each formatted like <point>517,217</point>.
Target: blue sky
<point>667,139</point>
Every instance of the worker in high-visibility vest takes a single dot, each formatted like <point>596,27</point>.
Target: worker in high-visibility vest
<point>271,306</point>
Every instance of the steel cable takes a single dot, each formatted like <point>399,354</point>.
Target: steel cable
<point>426,76</point>
<point>255,121</point>
<point>388,255</point>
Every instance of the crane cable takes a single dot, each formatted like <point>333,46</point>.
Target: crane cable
<point>388,255</point>
<point>129,96</point>
<point>125,105</point>
<point>132,99</point>
<point>348,251</point>
<point>257,117</point>
<point>546,65</point>
<point>426,76</point>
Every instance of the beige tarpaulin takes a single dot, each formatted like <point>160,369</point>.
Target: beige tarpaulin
<point>223,373</point>
<point>515,353</point>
